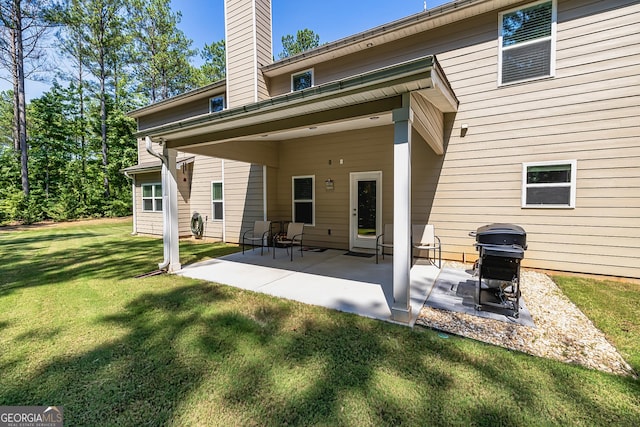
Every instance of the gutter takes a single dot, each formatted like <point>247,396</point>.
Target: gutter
<point>369,80</point>
<point>164,265</point>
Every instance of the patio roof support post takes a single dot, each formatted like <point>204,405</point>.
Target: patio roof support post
<point>401,309</point>
<point>170,209</point>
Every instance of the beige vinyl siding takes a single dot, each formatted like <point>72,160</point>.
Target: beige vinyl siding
<point>152,222</point>
<point>361,151</point>
<point>196,107</point>
<point>264,48</point>
<point>184,198</point>
<point>588,112</point>
<point>241,53</point>
<point>143,154</point>
<point>243,197</point>
<point>206,170</point>
<point>148,222</point>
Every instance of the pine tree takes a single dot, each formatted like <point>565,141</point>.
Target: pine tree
<point>304,40</point>
<point>162,51</point>
<point>23,29</point>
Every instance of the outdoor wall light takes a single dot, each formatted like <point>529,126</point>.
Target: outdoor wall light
<point>463,129</point>
<point>328,184</point>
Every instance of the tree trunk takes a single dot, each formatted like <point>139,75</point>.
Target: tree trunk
<point>21,102</point>
<point>103,127</point>
<point>83,142</point>
<point>14,77</point>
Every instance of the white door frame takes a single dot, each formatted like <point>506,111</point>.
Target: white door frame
<point>356,242</point>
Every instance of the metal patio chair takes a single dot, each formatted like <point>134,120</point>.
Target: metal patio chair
<point>384,241</point>
<point>295,233</point>
<point>423,238</point>
<point>259,233</point>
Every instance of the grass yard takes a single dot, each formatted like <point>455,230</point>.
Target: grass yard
<point>77,330</point>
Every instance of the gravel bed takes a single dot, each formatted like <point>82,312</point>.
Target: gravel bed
<point>562,331</point>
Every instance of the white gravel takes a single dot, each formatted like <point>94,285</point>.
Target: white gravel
<point>562,331</point>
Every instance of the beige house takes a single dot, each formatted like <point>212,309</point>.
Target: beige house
<point>475,112</point>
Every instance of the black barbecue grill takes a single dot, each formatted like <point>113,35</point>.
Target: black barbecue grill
<point>501,248</point>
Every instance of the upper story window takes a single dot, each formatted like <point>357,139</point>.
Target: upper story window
<point>216,103</point>
<point>303,199</point>
<point>152,197</point>
<point>549,184</point>
<point>302,80</point>
<point>217,201</point>
<point>527,42</point>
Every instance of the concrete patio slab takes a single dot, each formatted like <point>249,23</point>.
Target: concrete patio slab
<point>454,290</point>
<point>326,278</point>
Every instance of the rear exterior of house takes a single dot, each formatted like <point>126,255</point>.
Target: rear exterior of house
<point>529,115</point>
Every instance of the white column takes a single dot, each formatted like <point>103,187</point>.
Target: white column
<point>170,210</point>
<point>401,309</point>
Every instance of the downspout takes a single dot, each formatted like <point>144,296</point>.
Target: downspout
<point>165,212</point>
<point>133,199</point>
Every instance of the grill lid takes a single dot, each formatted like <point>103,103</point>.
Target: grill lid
<point>501,234</point>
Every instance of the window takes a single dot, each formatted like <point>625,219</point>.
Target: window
<point>527,43</point>
<point>549,184</point>
<point>303,196</point>
<point>152,197</point>
<point>302,80</point>
<point>217,201</point>
<point>216,104</point>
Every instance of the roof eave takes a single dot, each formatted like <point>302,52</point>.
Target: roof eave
<point>404,27</point>
<point>410,70</point>
<point>183,98</point>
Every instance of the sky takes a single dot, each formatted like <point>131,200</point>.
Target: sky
<point>203,22</point>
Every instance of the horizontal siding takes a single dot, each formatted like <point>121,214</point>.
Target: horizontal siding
<point>152,222</point>
<point>360,151</point>
<point>147,222</point>
<point>196,107</point>
<point>588,112</point>
<point>242,196</point>
<point>248,40</point>
<point>206,170</point>
<point>143,154</point>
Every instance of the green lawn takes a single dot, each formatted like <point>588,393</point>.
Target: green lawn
<point>77,330</point>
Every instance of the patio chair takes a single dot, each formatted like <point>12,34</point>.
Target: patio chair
<point>384,240</point>
<point>295,233</point>
<point>259,233</point>
<point>423,238</point>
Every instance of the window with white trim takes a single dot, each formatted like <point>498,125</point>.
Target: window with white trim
<point>152,197</point>
<point>304,199</point>
<point>216,104</point>
<point>302,80</point>
<point>217,201</point>
<point>549,184</point>
<point>527,38</point>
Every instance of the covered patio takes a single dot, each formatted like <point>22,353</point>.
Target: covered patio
<point>328,278</point>
<point>389,106</point>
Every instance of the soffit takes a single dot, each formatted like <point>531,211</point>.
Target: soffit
<point>357,97</point>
